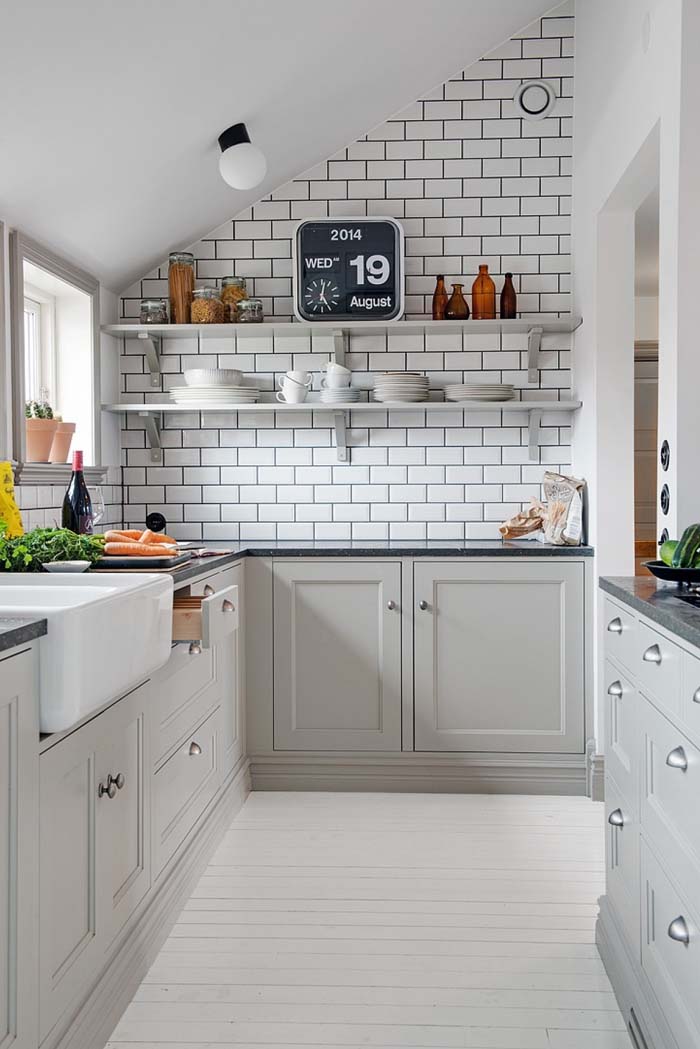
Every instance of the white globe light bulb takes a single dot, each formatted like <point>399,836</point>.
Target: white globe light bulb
<point>243,166</point>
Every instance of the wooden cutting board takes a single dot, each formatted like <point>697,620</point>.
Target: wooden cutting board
<point>142,564</point>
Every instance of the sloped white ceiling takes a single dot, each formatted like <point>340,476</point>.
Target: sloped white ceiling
<point>111,111</point>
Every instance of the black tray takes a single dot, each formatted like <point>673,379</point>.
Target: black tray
<point>689,576</point>
<point>135,564</point>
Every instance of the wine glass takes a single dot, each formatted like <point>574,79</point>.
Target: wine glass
<point>98,504</point>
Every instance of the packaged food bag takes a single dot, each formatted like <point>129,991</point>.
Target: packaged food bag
<point>563,520</point>
<point>524,523</point>
<point>9,511</point>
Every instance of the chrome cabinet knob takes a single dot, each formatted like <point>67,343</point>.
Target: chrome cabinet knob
<point>678,759</point>
<point>678,930</point>
<point>423,605</point>
<point>195,648</point>
<point>391,605</point>
<point>615,625</point>
<point>195,749</point>
<point>110,789</point>
<point>615,688</point>
<point>208,590</point>
<point>228,606</point>
<point>652,654</point>
<point>696,695</point>
<point>119,780</point>
<point>616,819</point>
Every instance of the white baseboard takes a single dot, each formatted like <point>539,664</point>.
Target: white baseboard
<point>595,773</point>
<point>96,1017</point>
<point>422,773</point>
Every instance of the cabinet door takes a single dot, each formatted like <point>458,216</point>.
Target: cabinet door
<point>123,825</point>
<point>19,734</point>
<point>70,944</point>
<point>499,656</point>
<point>337,655</point>
<point>230,669</point>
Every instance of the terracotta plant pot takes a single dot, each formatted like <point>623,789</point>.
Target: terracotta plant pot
<point>62,439</point>
<point>40,434</point>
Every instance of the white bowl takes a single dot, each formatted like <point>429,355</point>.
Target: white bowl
<point>66,566</point>
<point>213,377</point>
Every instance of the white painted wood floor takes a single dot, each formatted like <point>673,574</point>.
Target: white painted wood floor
<point>375,920</point>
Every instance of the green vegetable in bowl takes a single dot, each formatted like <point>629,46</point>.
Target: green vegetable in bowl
<point>28,552</point>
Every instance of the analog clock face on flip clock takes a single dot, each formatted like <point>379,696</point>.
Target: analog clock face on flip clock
<point>321,295</point>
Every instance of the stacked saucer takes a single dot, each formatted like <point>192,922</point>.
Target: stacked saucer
<point>466,391</point>
<point>400,386</point>
<point>341,395</point>
<point>210,393</point>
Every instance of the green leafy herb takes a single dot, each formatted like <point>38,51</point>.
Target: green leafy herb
<point>27,553</point>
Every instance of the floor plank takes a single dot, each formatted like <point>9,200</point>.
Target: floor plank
<point>389,921</point>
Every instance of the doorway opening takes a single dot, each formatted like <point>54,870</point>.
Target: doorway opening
<point>646,378</point>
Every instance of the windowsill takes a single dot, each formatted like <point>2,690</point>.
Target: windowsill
<point>55,473</point>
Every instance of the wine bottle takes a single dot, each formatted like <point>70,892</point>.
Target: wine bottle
<point>77,507</point>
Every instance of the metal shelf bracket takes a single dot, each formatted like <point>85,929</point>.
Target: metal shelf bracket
<point>153,434</point>
<point>340,436</point>
<point>341,345</point>
<point>534,418</point>
<point>534,344</point>
<point>152,345</point>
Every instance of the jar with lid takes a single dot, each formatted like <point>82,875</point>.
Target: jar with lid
<point>233,291</point>
<point>207,307</point>
<point>250,311</point>
<point>180,286</point>
<point>153,311</point>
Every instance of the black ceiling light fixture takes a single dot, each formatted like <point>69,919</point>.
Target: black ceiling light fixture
<point>242,165</point>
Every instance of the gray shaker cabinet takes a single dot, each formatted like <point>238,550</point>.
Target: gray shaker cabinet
<point>499,656</point>
<point>19,728</point>
<point>337,655</point>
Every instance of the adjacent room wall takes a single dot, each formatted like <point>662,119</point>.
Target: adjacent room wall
<point>471,183</point>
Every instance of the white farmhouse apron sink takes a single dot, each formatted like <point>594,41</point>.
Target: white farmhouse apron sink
<point>106,634</point>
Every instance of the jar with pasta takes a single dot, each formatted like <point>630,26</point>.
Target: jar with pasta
<point>207,307</point>
<point>233,291</point>
<point>180,286</point>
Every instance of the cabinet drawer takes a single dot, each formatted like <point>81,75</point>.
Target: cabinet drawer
<point>658,668</point>
<point>620,632</point>
<point>183,788</point>
<point>672,965</point>
<point>184,690</point>
<point>670,812</point>
<point>622,735</point>
<point>206,619</point>
<point>690,694</point>
<point>215,583</point>
<point>622,861</point>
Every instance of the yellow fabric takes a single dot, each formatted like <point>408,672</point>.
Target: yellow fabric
<point>9,511</point>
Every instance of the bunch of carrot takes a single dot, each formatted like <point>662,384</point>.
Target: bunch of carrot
<point>135,543</point>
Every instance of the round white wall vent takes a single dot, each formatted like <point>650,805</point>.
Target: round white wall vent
<point>534,99</point>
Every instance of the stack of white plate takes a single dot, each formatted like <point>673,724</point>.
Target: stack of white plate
<point>341,395</point>
<point>215,393</point>
<point>466,391</point>
<point>400,386</point>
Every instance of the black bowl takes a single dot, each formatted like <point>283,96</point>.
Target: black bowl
<point>690,576</point>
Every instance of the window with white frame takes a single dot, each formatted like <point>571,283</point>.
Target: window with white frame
<point>39,344</point>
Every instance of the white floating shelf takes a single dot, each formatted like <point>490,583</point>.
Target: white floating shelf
<point>340,412</point>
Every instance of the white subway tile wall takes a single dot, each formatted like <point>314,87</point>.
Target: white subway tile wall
<point>471,182</point>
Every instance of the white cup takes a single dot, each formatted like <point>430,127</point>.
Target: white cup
<point>301,378</point>
<point>336,381</point>
<point>333,366</point>
<point>292,393</point>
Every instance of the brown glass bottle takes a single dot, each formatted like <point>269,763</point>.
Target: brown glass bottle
<point>457,308</point>
<point>483,296</point>
<point>439,298</point>
<point>509,299</point>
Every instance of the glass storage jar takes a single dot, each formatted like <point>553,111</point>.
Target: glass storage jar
<point>233,291</point>
<point>180,286</point>
<point>207,307</point>
<point>153,311</point>
<point>250,311</point>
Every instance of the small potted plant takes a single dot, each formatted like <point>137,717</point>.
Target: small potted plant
<point>62,439</point>
<point>40,428</point>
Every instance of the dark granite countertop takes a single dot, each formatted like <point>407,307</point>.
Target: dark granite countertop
<point>661,602</point>
<point>429,548</point>
<point>17,631</point>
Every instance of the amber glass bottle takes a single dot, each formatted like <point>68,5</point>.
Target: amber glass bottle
<point>483,296</point>
<point>439,298</point>
<point>457,308</point>
<point>509,299</point>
